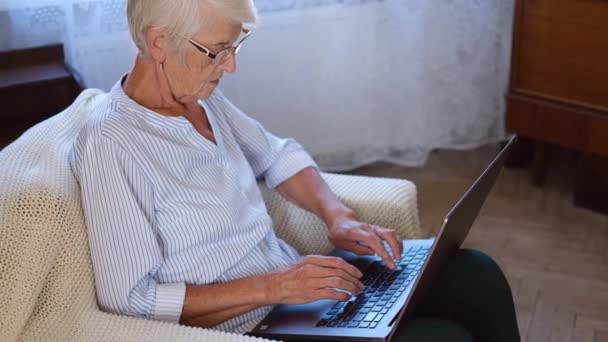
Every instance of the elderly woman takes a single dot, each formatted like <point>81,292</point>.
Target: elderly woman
<point>178,229</point>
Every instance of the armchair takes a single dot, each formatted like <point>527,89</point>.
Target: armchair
<point>47,288</point>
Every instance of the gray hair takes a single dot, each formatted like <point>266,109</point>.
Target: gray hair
<point>180,18</point>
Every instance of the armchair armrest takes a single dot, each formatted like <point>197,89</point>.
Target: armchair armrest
<point>387,202</point>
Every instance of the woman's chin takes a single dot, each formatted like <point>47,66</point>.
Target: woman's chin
<point>208,89</point>
<point>201,95</point>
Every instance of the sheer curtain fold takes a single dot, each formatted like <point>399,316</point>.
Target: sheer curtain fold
<point>355,81</point>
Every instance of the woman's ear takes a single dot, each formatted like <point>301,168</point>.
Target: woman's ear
<point>157,44</point>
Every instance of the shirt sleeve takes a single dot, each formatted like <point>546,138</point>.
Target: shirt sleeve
<point>273,158</point>
<point>118,207</point>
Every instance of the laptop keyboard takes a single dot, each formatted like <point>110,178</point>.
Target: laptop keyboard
<point>383,288</point>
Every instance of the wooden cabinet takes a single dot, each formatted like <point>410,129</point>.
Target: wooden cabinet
<point>559,83</point>
<point>34,84</point>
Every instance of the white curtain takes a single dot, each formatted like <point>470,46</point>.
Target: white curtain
<point>355,81</point>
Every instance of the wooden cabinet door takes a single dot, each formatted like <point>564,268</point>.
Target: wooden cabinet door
<point>561,51</point>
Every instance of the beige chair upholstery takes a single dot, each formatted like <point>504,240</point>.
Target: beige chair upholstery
<point>46,280</point>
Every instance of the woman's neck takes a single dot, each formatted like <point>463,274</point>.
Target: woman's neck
<point>145,85</point>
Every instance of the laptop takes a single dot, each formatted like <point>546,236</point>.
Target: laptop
<point>390,295</point>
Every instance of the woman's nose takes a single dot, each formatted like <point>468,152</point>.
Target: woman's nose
<point>230,64</point>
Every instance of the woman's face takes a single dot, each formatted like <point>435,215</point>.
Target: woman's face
<point>196,75</point>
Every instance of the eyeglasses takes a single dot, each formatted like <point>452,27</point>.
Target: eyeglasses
<point>221,56</point>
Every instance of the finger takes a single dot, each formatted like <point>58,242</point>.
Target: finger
<point>331,294</point>
<point>324,272</point>
<point>390,236</point>
<point>334,262</point>
<point>373,241</point>
<point>358,248</point>
<point>336,283</point>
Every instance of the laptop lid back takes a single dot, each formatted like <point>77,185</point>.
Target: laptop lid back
<point>456,227</point>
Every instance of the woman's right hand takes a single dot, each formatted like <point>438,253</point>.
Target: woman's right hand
<point>314,277</point>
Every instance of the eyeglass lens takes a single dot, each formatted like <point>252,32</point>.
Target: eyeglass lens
<point>223,56</point>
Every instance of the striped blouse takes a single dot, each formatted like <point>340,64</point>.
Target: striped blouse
<point>166,207</point>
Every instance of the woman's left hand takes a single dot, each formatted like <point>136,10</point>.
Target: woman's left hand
<point>365,239</point>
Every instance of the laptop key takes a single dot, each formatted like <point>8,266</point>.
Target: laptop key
<point>342,324</point>
<point>368,281</point>
<point>353,324</point>
<point>370,316</point>
<point>349,306</point>
<point>373,324</point>
<point>339,305</point>
<point>364,325</point>
<point>348,316</point>
<point>359,317</point>
<point>322,323</point>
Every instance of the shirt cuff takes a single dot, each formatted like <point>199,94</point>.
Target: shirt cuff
<point>169,302</point>
<point>287,166</point>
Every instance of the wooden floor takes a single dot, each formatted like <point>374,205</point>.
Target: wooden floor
<point>554,254</point>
